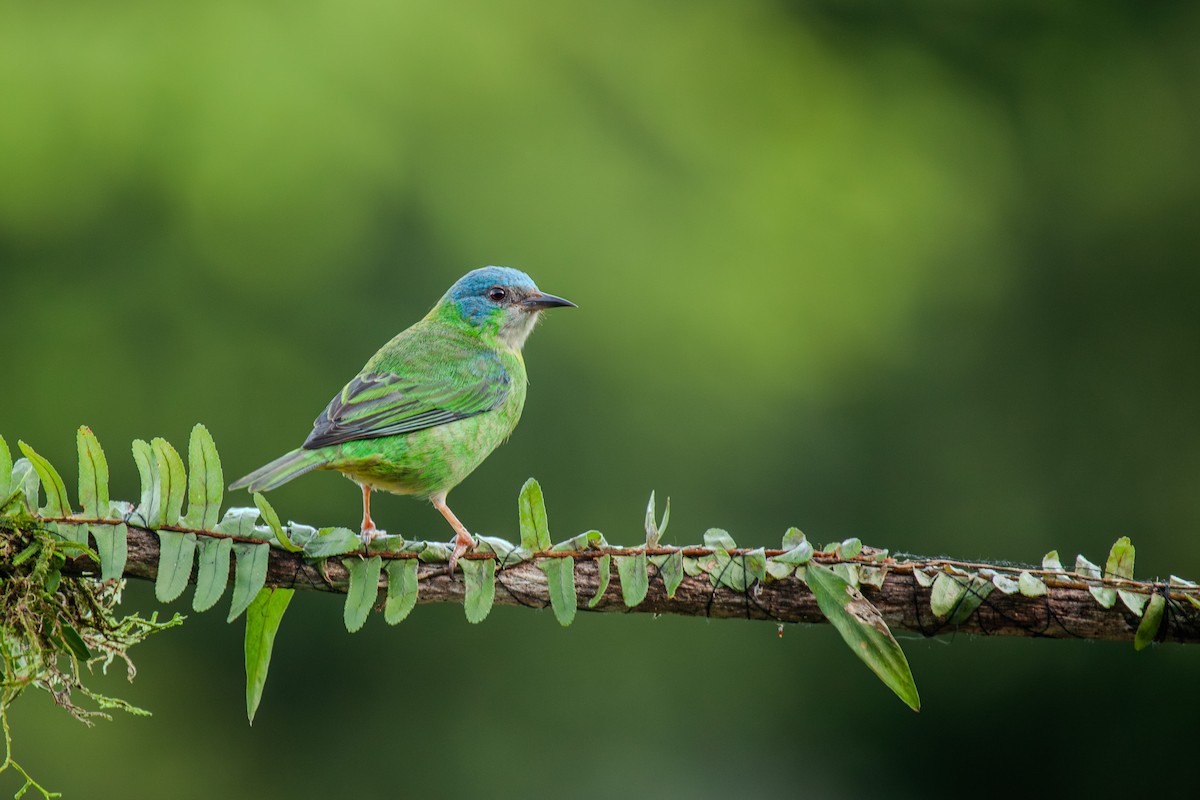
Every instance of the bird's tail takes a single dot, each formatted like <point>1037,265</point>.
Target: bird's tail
<point>281,470</point>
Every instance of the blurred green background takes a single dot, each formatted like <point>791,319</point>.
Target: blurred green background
<point>923,273</point>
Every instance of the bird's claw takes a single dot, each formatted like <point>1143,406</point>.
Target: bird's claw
<point>370,534</point>
<point>462,543</point>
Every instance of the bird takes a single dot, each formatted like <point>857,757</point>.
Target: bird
<point>431,404</point>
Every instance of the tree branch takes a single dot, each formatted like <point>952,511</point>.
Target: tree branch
<point>1067,611</point>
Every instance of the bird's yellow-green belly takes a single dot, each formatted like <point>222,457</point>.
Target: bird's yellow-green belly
<point>432,460</point>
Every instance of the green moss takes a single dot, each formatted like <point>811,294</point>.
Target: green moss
<point>55,630</point>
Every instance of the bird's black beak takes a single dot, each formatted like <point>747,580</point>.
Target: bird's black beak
<point>539,301</point>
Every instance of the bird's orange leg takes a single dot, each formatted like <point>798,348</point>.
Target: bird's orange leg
<point>369,531</point>
<point>463,538</point>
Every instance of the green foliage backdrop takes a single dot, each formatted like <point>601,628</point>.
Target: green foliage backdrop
<point>922,274</point>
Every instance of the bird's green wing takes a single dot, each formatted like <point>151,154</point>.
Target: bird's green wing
<point>423,394</point>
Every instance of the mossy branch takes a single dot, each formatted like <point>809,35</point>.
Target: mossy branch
<point>1068,609</point>
<point>49,552</point>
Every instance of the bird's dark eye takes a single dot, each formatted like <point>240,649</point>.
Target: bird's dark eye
<point>497,294</point>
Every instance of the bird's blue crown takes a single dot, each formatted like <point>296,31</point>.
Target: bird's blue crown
<point>470,291</point>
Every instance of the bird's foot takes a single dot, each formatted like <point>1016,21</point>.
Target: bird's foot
<point>370,534</point>
<point>462,543</point>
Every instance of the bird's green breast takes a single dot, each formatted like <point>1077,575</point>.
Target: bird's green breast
<point>435,459</point>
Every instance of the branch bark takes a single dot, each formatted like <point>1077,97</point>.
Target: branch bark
<point>1068,611</point>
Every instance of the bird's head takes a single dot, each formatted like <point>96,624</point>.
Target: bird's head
<point>501,300</point>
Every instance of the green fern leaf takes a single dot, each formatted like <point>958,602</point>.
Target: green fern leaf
<point>363,591</point>
<point>401,589</point>
<point>177,551</point>
<point>249,575</point>
<point>206,483</point>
